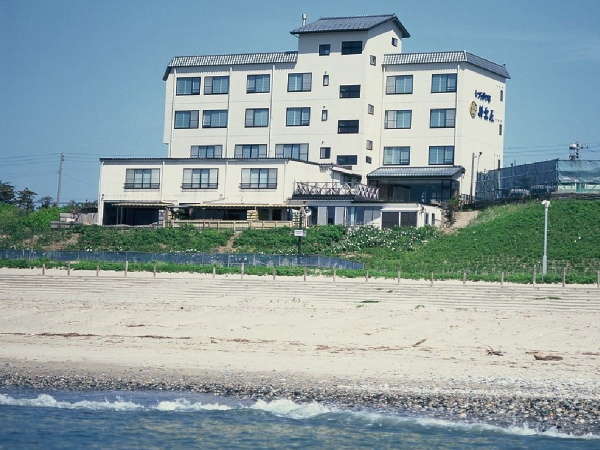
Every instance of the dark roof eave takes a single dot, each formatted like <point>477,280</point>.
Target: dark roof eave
<point>403,31</point>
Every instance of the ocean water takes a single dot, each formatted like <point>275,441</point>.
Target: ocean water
<point>56,419</point>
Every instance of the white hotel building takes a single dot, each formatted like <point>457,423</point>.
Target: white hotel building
<point>348,126</point>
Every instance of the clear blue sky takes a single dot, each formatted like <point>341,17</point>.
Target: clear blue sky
<point>84,77</point>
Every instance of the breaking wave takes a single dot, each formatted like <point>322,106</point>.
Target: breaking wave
<point>284,408</point>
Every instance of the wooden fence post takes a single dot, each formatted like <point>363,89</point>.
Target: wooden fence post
<point>534,274</point>
<point>44,269</point>
<point>274,273</point>
<point>126,268</point>
<point>367,276</point>
<point>598,279</point>
<point>431,284</point>
<point>464,278</point>
<point>97,270</point>
<point>214,270</point>
<point>399,276</point>
<point>564,277</point>
<point>334,274</point>
<point>69,268</point>
<point>242,272</point>
<point>154,270</point>
<point>502,279</point>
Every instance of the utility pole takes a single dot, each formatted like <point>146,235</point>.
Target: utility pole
<point>546,204</point>
<point>574,150</point>
<point>60,169</point>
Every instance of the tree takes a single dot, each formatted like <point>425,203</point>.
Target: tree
<point>7,192</point>
<point>25,199</point>
<point>46,202</point>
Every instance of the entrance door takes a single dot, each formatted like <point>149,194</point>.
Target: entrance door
<point>389,219</point>
<point>408,219</point>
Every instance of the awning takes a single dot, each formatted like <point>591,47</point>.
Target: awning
<point>417,172</point>
<point>232,205</point>
<point>139,204</point>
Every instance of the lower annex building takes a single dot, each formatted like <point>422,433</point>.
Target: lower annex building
<point>347,129</point>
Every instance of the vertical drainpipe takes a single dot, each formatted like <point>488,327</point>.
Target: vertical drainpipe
<point>172,119</point>
<point>228,104</point>
<point>269,151</point>
<point>382,124</point>
<point>458,77</point>
<point>100,197</point>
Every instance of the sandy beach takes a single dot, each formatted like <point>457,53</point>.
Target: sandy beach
<point>378,340</point>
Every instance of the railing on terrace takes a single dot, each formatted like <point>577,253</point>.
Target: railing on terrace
<point>305,189</point>
<point>234,225</point>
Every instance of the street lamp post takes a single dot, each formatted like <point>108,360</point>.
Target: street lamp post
<point>546,204</point>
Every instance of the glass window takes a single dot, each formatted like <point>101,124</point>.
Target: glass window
<point>368,159</point>
<point>443,83</point>
<point>292,151</point>
<point>350,91</point>
<point>324,115</point>
<point>258,83</point>
<point>250,151</point>
<point>501,95</point>
<point>396,156</point>
<point>142,178</point>
<point>373,60</point>
<point>206,151</point>
<point>347,126</point>
<point>500,129</point>
<point>347,160</point>
<point>216,85</point>
<point>398,118</point>
<point>259,179</point>
<point>186,119</point>
<point>214,119</point>
<point>399,84</point>
<point>299,82</point>
<point>441,155</point>
<point>369,144</point>
<point>351,47</point>
<point>325,80</point>
<point>442,118</point>
<point>200,179</point>
<point>325,152</point>
<point>297,117</point>
<point>395,42</point>
<point>187,86</point>
<point>324,49</point>
<point>257,117</point>
<point>370,109</point>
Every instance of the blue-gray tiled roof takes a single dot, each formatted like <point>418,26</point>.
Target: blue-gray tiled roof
<point>417,172</point>
<point>355,23</point>
<point>446,57</point>
<point>232,59</point>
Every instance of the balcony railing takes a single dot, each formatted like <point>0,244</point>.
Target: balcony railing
<point>333,190</point>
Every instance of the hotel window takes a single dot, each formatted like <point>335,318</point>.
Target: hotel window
<point>206,151</point>
<point>351,47</point>
<point>258,83</point>
<point>257,117</point>
<point>299,82</point>
<point>398,119</point>
<point>216,85</point>
<point>350,91</point>
<point>188,86</point>
<point>297,117</point>
<point>500,129</point>
<point>292,151</point>
<point>250,151</point>
<point>370,109</point>
<point>142,178</point>
<point>501,95</point>
<point>441,155</point>
<point>324,49</point>
<point>186,119</point>
<point>399,84</point>
<point>347,160</point>
<point>395,42</point>
<point>373,60</point>
<point>347,126</point>
<point>214,118</point>
<point>369,145</point>
<point>259,179</point>
<point>368,159</point>
<point>442,118</point>
<point>325,152</point>
<point>200,178</point>
<point>325,80</point>
<point>397,156</point>
<point>324,115</point>
<point>443,83</point>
